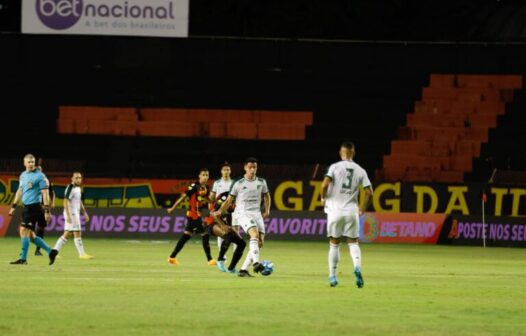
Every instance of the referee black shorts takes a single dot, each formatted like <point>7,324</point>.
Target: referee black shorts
<point>32,215</point>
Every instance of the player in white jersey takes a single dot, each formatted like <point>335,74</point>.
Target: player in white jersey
<point>73,206</point>
<point>340,189</point>
<point>249,191</point>
<point>220,186</point>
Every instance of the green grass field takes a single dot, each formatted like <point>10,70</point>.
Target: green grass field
<point>130,289</point>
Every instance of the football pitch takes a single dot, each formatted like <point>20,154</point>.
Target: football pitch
<point>130,289</point>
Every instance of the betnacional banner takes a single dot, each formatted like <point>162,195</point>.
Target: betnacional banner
<point>300,195</point>
<point>167,18</point>
<point>471,230</point>
<point>282,225</point>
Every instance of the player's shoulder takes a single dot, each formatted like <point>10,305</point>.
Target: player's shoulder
<point>193,185</point>
<point>239,180</point>
<point>260,179</point>
<point>360,168</point>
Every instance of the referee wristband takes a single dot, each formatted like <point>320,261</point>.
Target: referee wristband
<point>13,205</point>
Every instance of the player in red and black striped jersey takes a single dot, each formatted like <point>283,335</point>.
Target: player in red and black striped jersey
<point>197,193</point>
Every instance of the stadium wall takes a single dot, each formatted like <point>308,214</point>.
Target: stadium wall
<point>298,195</point>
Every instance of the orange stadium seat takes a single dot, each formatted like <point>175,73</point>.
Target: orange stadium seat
<point>66,126</point>
<point>96,112</point>
<point>438,80</point>
<point>167,128</point>
<point>268,131</point>
<point>242,131</point>
<point>163,114</point>
<point>299,117</point>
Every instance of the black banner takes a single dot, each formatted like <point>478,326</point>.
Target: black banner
<point>470,230</point>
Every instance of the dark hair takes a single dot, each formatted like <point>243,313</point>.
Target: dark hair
<point>226,164</point>
<point>348,145</point>
<point>203,170</point>
<point>250,160</point>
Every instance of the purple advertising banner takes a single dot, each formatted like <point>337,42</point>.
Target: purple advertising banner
<point>157,224</point>
<point>498,231</point>
<point>282,225</point>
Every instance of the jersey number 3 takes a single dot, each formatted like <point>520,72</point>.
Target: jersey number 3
<point>348,183</point>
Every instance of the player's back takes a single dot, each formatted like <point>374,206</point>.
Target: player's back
<point>347,179</point>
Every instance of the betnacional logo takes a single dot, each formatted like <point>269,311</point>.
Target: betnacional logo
<point>64,14</point>
<point>59,14</point>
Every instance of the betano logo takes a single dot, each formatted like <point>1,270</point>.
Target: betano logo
<point>63,14</point>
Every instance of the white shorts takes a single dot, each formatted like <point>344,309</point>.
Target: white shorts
<point>248,220</point>
<point>75,223</point>
<point>346,226</point>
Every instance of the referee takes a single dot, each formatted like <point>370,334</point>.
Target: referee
<point>34,193</point>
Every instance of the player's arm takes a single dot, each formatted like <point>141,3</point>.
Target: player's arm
<point>325,188</point>
<point>176,204</point>
<point>212,197</point>
<point>52,197</point>
<point>18,194</point>
<point>266,205</point>
<point>83,209</point>
<point>368,193</point>
<point>224,207</point>
<point>45,201</point>
<point>66,210</point>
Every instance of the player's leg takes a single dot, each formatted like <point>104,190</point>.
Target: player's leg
<point>238,252</point>
<point>221,257</point>
<point>24,245</point>
<point>205,241</point>
<point>260,225</point>
<point>79,244</point>
<point>219,243</point>
<point>354,248</point>
<point>35,212</point>
<point>334,231</point>
<point>232,222</point>
<point>250,227</point>
<point>198,227</point>
<point>62,240</point>
<point>40,229</point>
<point>189,229</point>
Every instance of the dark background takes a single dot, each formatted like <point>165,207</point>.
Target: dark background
<point>358,65</point>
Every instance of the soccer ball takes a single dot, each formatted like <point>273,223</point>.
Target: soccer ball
<point>268,267</point>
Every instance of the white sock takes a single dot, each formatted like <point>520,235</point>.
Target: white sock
<point>253,253</point>
<point>356,254</point>
<point>254,249</point>
<point>219,242</point>
<point>80,246</point>
<point>334,258</point>
<point>248,260</point>
<point>60,242</point>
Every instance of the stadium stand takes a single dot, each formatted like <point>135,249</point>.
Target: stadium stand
<point>352,89</point>
<point>174,122</point>
<point>448,126</point>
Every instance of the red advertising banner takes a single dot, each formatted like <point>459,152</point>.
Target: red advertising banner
<point>5,219</point>
<point>401,227</point>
